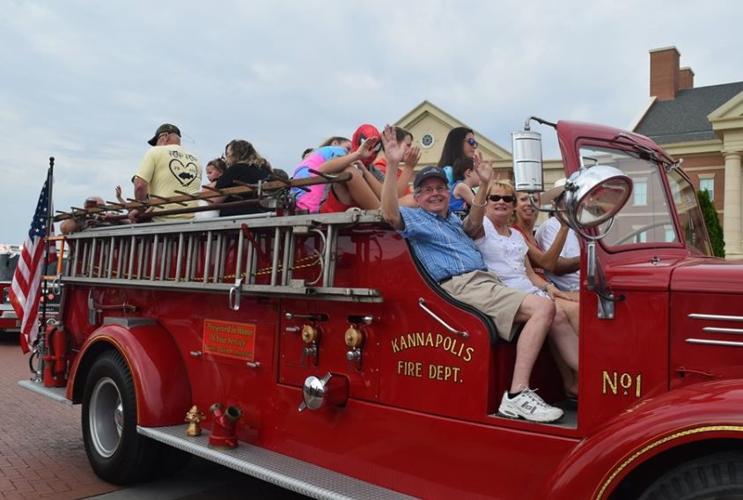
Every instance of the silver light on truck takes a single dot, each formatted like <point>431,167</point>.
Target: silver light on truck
<point>527,161</point>
<point>594,195</point>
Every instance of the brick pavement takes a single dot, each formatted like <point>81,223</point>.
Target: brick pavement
<point>41,444</point>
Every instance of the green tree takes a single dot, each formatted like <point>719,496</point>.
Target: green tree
<point>713,223</point>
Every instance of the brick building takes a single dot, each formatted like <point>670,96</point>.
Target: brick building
<point>703,127</point>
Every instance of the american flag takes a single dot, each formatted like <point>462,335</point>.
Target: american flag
<point>25,288</point>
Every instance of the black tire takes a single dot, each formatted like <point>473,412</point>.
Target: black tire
<point>116,452</point>
<point>717,476</point>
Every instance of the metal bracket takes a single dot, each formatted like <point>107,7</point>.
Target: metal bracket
<point>422,304</point>
<point>311,317</point>
<point>234,298</point>
<point>356,319</point>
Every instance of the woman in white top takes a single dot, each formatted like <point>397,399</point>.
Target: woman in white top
<point>504,251</point>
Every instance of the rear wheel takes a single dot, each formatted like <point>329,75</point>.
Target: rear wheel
<point>116,452</point>
<point>718,476</point>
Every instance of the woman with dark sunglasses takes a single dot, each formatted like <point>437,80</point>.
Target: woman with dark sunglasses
<point>504,251</point>
<point>460,143</point>
<point>456,159</point>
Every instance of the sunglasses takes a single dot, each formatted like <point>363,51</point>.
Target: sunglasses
<point>471,142</point>
<point>507,198</point>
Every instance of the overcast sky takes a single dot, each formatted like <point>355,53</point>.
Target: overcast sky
<point>88,82</point>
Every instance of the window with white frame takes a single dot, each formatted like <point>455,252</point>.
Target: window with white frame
<point>707,183</point>
<point>640,192</point>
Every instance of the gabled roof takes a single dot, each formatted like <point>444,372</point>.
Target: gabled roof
<point>426,108</point>
<point>685,118</point>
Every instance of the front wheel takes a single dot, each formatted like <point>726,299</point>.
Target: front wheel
<point>116,452</point>
<point>718,476</point>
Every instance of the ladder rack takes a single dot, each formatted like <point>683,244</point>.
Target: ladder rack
<point>259,254</point>
<point>273,192</point>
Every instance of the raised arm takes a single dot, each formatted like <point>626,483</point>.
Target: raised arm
<point>337,164</point>
<point>473,221</point>
<point>393,153</point>
<point>463,191</point>
<point>141,188</point>
<point>547,260</point>
<point>411,158</point>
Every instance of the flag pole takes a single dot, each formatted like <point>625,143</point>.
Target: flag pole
<point>42,347</point>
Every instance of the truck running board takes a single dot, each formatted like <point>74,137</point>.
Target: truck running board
<point>287,472</point>
<point>58,394</point>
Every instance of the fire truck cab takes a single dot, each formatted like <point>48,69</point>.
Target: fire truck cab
<point>316,353</point>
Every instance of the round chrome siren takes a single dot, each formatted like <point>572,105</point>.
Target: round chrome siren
<point>331,390</point>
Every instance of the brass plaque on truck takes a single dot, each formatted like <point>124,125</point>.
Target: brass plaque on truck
<point>229,339</point>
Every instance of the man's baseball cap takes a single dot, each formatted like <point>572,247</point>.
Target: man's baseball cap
<point>165,127</point>
<point>429,172</point>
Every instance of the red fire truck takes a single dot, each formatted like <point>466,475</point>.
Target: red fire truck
<point>8,320</point>
<point>320,356</point>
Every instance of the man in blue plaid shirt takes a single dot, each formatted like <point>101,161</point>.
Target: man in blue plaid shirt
<point>443,243</point>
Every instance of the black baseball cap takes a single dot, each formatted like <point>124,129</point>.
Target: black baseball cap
<point>429,172</point>
<point>165,127</point>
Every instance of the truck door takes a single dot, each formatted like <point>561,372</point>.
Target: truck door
<point>624,354</point>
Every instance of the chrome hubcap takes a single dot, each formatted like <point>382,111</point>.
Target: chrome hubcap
<point>106,417</point>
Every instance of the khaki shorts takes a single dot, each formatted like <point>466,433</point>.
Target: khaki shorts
<point>485,291</point>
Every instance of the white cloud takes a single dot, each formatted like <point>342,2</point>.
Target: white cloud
<point>88,82</point>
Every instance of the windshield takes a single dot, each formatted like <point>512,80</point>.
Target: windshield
<point>690,215</point>
<point>646,217</point>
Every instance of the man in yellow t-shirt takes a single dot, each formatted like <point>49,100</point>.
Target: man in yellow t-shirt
<point>166,168</point>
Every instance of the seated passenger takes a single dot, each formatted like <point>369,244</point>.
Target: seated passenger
<point>306,152</point>
<point>74,225</point>
<point>566,279</point>
<point>460,143</point>
<point>378,167</point>
<point>364,188</point>
<point>214,170</point>
<point>244,164</point>
<point>405,174</point>
<point>504,251</point>
<point>166,169</point>
<point>525,216</point>
<point>465,179</point>
<point>436,235</point>
<point>312,196</point>
<point>544,258</point>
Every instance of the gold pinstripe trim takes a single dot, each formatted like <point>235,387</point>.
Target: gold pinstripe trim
<point>655,444</point>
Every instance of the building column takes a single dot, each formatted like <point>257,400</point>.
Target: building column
<point>731,221</point>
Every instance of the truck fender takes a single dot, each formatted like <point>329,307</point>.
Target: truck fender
<point>160,379</point>
<point>695,413</point>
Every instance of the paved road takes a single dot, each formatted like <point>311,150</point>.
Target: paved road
<point>42,455</point>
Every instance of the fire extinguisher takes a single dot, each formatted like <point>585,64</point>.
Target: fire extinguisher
<point>55,361</point>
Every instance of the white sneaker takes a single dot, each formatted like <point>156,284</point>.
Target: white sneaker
<point>529,406</point>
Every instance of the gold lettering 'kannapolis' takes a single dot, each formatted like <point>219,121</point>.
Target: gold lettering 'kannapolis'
<point>435,340</point>
<point>431,371</point>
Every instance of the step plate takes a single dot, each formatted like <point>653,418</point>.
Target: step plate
<point>290,473</point>
<point>58,394</point>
